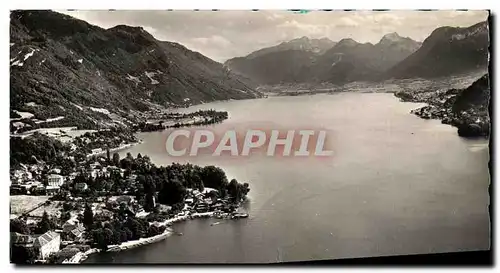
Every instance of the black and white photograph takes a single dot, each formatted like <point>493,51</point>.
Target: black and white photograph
<point>248,136</point>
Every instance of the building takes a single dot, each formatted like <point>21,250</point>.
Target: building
<point>55,171</point>
<point>47,243</point>
<point>81,186</point>
<point>92,173</point>
<point>21,176</point>
<point>72,175</point>
<point>16,189</point>
<point>96,151</point>
<point>52,190</point>
<point>21,239</point>
<point>55,180</point>
<point>74,233</point>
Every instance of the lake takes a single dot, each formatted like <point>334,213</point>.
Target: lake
<point>396,184</point>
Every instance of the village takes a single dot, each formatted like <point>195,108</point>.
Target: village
<point>66,206</point>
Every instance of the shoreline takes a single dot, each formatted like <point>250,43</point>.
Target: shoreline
<point>168,231</point>
<point>80,257</point>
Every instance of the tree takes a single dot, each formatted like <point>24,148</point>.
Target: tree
<point>98,239</point>
<point>149,203</point>
<point>172,193</point>
<point>19,226</point>
<point>45,224</point>
<point>116,159</point>
<point>237,191</point>
<point>88,216</point>
<point>233,190</point>
<point>214,177</point>
<point>153,231</point>
<point>65,216</point>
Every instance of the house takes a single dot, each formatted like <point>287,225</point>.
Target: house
<point>70,224</point>
<point>74,233</point>
<point>38,190</point>
<point>16,189</point>
<point>97,151</point>
<point>72,175</point>
<point>122,199</point>
<point>92,173</point>
<point>21,239</point>
<point>55,180</point>
<point>82,248</point>
<point>81,186</point>
<point>114,169</point>
<point>55,171</point>
<point>47,243</point>
<point>104,215</point>
<point>95,165</point>
<point>21,176</point>
<point>52,190</point>
<point>202,208</point>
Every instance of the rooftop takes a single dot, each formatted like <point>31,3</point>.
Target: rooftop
<point>46,238</point>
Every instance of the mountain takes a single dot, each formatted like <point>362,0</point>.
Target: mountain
<point>64,67</point>
<point>345,61</point>
<point>273,68</point>
<point>316,46</point>
<point>350,60</point>
<point>282,63</point>
<point>392,49</point>
<point>447,51</point>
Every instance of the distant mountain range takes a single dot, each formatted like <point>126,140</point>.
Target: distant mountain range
<point>446,51</point>
<point>281,63</point>
<point>68,72</point>
<point>302,60</point>
<point>315,46</point>
<point>62,66</point>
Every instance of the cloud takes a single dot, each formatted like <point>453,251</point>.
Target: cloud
<point>214,40</point>
<point>225,34</point>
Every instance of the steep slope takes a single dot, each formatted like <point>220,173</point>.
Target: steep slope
<point>447,51</point>
<point>347,61</point>
<point>465,108</point>
<point>273,68</point>
<point>61,66</point>
<point>392,49</point>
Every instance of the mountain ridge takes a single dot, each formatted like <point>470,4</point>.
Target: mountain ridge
<point>345,61</point>
<point>67,65</point>
<point>447,51</point>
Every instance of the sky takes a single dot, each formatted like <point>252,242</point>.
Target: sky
<point>221,35</point>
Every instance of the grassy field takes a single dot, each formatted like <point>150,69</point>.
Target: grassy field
<point>22,203</point>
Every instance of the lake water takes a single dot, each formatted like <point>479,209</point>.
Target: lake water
<point>396,184</point>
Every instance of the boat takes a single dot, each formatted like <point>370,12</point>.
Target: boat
<point>240,215</point>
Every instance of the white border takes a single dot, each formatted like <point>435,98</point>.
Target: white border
<point>204,5</point>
